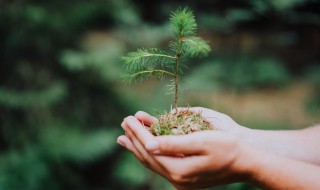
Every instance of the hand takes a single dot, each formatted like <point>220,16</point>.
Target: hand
<point>209,157</point>
<point>220,121</point>
<point>296,144</point>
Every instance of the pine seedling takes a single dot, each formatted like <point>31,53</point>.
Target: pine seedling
<point>152,62</point>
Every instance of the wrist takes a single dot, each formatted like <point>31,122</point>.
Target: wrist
<point>252,164</point>
<point>244,162</point>
<point>249,136</point>
<point>244,134</point>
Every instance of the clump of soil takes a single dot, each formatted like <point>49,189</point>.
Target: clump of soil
<point>180,123</point>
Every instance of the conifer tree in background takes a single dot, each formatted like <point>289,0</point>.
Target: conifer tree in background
<point>152,62</point>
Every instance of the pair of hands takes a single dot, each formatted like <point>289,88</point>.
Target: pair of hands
<point>198,160</point>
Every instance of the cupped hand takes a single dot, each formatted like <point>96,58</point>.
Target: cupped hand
<point>220,121</point>
<point>197,160</point>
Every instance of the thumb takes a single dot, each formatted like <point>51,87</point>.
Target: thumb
<point>146,118</point>
<point>176,145</point>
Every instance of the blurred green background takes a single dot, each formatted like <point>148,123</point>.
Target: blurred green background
<point>62,99</point>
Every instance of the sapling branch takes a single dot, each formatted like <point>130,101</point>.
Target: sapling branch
<point>152,62</point>
<point>153,71</point>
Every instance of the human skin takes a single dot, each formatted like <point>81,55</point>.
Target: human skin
<point>296,144</point>
<point>210,158</point>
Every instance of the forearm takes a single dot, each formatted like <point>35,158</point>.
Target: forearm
<point>301,145</point>
<point>271,171</point>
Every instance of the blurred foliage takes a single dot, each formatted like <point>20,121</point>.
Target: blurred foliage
<point>62,100</point>
<point>56,118</point>
<point>313,75</point>
<point>101,61</point>
<point>239,72</point>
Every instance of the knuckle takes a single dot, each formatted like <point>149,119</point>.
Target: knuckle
<point>177,178</point>
<point>180,177</point>
<point>165,146</point>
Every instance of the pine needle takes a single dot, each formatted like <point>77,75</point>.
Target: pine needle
<point>195,46</point>
<point>183,20</point>
<point>152,62</point>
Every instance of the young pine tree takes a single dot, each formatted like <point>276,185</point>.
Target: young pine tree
<point>152,62</point>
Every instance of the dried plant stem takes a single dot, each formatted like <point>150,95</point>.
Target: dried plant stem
<point>176,78</point>
<point>181,123</point>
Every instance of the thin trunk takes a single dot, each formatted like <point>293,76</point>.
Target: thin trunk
<point>176,78</point>
<point>176,86</point>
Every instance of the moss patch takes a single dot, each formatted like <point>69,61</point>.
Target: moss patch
<point>180,123</point>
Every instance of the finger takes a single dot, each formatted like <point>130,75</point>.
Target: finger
<point>136,143</point>
<point>129,135</point>
<point>125,142</point>
<point>139,131</point>
<point>137,154</point>
<point>123,125</point>
<point>159,164</point>
<point>180,165</point>
<point>146,118</point>
<point>146,159</point>
<point>191,144</point>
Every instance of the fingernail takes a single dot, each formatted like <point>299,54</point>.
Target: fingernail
<point>121,143</point>
<point>123,126</point>
<point>152,145</point>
